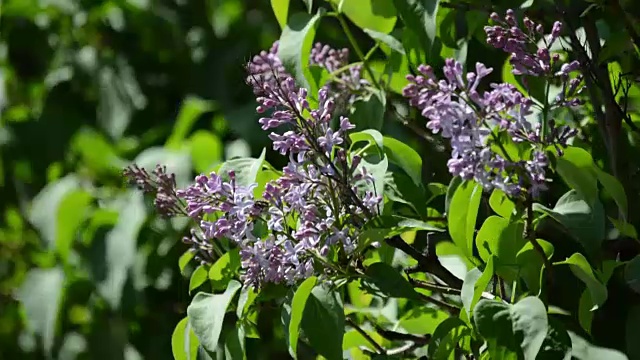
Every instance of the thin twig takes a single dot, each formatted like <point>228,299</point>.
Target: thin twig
<point>398,336</point>
<point>530,235</point>
<point>375,344</point>
<point>433,287</point>
<point>452,309</point>
<point>426,263</point>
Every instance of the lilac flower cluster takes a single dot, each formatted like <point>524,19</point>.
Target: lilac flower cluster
<point>529,59</point>
<point>311,213</point>
<point>472,119</point>
<point>347,85</point>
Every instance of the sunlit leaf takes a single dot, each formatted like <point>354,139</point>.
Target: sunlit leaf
<point>191,109</point>
<point>206,315</point>
<point>462,214</point>
<point>184,343</point>
<point>298,305</point>
<point>41,295</point>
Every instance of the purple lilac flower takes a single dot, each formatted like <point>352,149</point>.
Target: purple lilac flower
<point>267,68</point>
<point>456,109</point>
<point>528,59</point>
<point>310,211</point>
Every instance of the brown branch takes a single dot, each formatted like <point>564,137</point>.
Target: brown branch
<point>375,344</point>
<point>397,336</point>
<point>426,263</point>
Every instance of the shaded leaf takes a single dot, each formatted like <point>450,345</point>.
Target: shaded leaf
<point>323,322</point>
<point>405,157</point>
<point>246,169</point>
<point>584,223</point>
<point>368,113</point>
<point>583,271</point>
<point>383,279</point>
<point>516,329</point>
<point>446,337</point>
<point>576,168</point>
<point>503,239</point>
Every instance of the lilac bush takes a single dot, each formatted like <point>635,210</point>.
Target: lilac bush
<point>320,223</point>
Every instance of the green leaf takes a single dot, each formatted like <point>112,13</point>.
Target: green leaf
<point>281,11</point>
<point>405,157</point>
<point>454,184</point>
<point>234,346</point>
<point>462,214</point>
<point>501,204</point>
<point>198,277</point>
<point>177,162</point>
<point>584,223</point>
<point>357,296</point>
<point>206,315</point>
<point>224,269</point>
<point>71,212</point>
<point>96,152</point>
<point>295,44</point>
<point>422,320</point>
<point>446,337</point>
<point>503,239</point>
<point>530,264</point>
<point>632,274</point>
<point>41,295</point>
<point>298,305</point>
<point>185,258</point>
<point>614,188</point>
<point>246,169</point>
<point>624,228</point>
<point>557,344</point>
<point>45,206</point>
<point>400,188</point>
<point>583,350</point>
<point>323,322</point>
<point>368,113</point>
<point>515,329</point>
<point>369,136</point>
<point>377,15</point>
<point>206,151</point>
<point>247,297</point>
<point>475,283</point>
<point>190,111</point>
<point>386,39</point>
<point>420,17</point>
<point>576,168</point>
<point>184,343</point>
<point>384,280</point>
<point>583,271</point>
<point>386,226</point>
<point>120,243</point>
<point>308,4</point>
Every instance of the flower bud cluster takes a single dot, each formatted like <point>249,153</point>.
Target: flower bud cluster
<point>527,58</point>
<point>346,87</point>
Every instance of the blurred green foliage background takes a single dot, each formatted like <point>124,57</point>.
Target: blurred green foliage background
<point>86,87</point>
